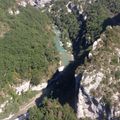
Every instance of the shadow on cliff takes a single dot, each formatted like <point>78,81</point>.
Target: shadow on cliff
<point>114,21</point>
<point>80,44</point>
<point>62,85</point>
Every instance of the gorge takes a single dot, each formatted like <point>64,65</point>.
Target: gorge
<point>89,83</point>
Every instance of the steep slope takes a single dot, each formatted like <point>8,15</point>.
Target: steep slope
<point>101,78</point>
<point>27,52</point>
<point>27,47</point>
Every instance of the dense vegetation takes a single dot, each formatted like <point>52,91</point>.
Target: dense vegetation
<point>70,23</point>
<point>66,22</point>
<point>17,101</point>
<point>52,110</point>
<point>97,14</point>
<point>27,48</point>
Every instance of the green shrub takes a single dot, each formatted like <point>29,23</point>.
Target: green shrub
<point>52,110</point>
<point>117,74</point>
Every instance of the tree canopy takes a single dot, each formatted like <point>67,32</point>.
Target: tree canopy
<point>52,110</point>
<point>97,13</point>
<point>27,49</point>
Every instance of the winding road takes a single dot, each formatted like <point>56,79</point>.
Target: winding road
<point>24,108</point>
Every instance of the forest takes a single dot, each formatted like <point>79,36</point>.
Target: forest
<point>66,22</point>
<point>97,14</point>
<point>51,109</point>
<point>70,23</point>
<point>26,45</point>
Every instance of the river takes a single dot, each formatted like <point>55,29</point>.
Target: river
<point>65,57</point>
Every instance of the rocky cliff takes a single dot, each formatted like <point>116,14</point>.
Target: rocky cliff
<point>101,78</point>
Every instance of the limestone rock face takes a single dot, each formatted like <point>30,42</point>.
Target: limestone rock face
<point>101,78</point>
<point>84,108</point>
<point>92,80</point>
<point>22,3</point>
<point>87,106</point>
<point>40,3</point>
<point>10,11</point>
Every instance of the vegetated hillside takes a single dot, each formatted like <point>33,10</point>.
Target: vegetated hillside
<point>97,13</point>
<point>106,42</point>
<point>26,44</point>
<point>66,21</point>
<point>69,17</point>
<point>102,74</point>
<point>107,60</point>
<point>52,110</point>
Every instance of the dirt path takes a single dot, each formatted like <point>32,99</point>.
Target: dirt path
<point>26,106</point>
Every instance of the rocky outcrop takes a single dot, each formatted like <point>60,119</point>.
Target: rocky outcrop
<point>39,3</point>
<point>4,28</point>
<point>12,11</point>
<point>91,80</point>
<point>87,105</point>
<point>101,79</point>
<point>84,109</point>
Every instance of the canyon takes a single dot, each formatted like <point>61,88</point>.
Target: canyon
<point>83,91</point>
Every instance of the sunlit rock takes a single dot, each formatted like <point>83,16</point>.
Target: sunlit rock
<point>17,12</point>
<point>92,80</point>
<point>22,88</point>
<point>85,108</point>
<point>68,8</point>
<point>90,55</point>
<point>96,44</point>
<point>85,17</point>
<point>2,106</point>
<point>69,44</point>
<point>39,87</point>
<point>22,3</point>
<point>10,11</point>
<point>60,69</point>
